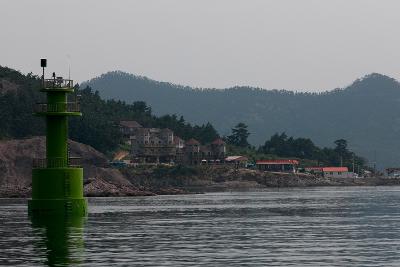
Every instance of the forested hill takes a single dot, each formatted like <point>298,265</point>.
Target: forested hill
<point>367,113</point>
<point>98,126</point>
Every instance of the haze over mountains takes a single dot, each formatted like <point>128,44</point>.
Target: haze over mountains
<point>366,113</point>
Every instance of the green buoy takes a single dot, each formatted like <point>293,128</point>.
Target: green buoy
<point>57,180</point>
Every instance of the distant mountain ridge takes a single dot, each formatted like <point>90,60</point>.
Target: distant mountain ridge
<point>366,113</point>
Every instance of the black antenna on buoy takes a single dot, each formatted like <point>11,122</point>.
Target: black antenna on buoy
<point>69,66</point>
<point>43,64</point>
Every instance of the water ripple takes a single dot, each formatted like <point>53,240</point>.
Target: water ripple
<point>297,227</point>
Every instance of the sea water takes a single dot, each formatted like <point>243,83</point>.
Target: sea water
<point>331,226</point>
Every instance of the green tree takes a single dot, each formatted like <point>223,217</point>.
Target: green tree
<point>239,135</point>
<point>284,146</point>
<point>342,152</point>
<point>141,107</point>
<point>341,146</point>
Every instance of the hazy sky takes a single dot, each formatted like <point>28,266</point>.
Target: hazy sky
<point>301,45</point>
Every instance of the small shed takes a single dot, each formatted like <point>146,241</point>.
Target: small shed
<point>238,161</point>
<point>337,172</point>
<point>393,172</point>
<point>278,165</point>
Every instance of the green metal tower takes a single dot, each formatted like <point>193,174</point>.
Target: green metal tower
<point>57,180</point>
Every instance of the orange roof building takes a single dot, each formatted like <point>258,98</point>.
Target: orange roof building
<point>218,141</point>
<point>332,172</point>
<point>192,142</point>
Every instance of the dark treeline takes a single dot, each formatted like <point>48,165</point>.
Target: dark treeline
<point>303,148</point>
<point>18,93</point>
<point>283,146</point>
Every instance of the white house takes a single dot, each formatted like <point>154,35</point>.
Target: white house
<point>332,172</point>
<point>393,172</point>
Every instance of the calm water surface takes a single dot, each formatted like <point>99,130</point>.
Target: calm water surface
<point>290,227</point>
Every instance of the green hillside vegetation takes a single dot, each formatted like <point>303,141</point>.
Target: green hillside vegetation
<point>99,125</point>
<point>303,149</point>
<point>366,113</point>
<point>17,94</point>
<point>99,128</point>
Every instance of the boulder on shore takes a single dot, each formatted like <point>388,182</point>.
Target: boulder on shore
<point>98,187</point>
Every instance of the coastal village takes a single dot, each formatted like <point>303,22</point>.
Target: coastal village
<point>129,158</point>
<point>152,146</point>
<point>200,133</point>
<point>123,157</point>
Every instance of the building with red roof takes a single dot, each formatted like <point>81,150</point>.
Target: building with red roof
<point>155,145</point>
<point>129,128</point>
<point>192,142</point>
<point>218,141</point>
<point>237,161</point>
<point>331,172</point>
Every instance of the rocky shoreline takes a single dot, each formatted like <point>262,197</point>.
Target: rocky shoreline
<point>102,181</point>
<point>223,180</point>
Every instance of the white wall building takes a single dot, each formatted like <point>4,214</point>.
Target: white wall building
<point>332,172</point>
